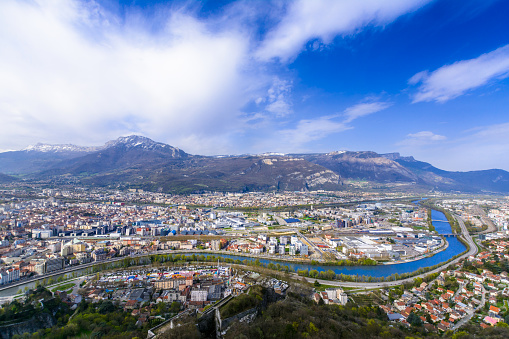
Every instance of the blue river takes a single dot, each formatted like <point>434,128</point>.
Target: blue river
<point>442,226</point>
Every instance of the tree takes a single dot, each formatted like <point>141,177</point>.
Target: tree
<point>175,307</point>
<point>414,320</point>
<point>317,284</point>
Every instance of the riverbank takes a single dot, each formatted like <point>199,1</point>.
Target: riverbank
<point>444,246</point>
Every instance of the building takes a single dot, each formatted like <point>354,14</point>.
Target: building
<point>272,249</point>
<point>83,258</point>
<point>54,264</point>
<point>199,294</point>
<point>174,283</point>
<point>41,234</point>
<point>341,296</point>
<point>99,254</point>
<point>8,276</point>
<point>215,245</point>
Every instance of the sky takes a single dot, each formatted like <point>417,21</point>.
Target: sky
<point>425,78</point>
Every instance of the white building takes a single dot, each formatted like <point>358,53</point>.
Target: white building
<point>199,294</point>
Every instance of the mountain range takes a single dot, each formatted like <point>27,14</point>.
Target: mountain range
<point>139,162</point>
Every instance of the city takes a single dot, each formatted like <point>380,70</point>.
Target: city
<point>243,169</point>
<point>64,241</point>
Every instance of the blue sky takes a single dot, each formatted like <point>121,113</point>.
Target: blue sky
<point>420,77</point>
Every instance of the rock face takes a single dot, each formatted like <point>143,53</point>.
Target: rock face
<point>139,162</point>
<point>41,320</point>
<point>363,165</point>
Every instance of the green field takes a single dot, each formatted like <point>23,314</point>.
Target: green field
<point>64,287</point>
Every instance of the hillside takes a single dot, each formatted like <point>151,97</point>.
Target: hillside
<point>4,179</point>
<point>252,173</point>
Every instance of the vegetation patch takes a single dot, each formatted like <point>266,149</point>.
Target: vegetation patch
<point>63,287</point>
<point>243,302</point>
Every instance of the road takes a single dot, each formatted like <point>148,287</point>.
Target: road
<point>310,243</point>
<point>470,314</point>
<point>458,291</point>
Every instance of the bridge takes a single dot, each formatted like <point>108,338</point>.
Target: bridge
<point>449,235</point>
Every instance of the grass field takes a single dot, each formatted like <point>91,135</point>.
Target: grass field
<point>64,287</point>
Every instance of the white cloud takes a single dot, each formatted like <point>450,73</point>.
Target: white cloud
<point>451,81</point>
<point>364,109</point>
<point>72,72</point>
<point>427,135</point>
<point>278,98</point>
<point>325,19</point>
<point>498,132</point>
<point>482,148</point>
<point>421,138</point>
<point>308,130</point>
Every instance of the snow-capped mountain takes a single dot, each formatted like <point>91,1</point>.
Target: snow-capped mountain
<point>40,147</point>
<point>137,142</point>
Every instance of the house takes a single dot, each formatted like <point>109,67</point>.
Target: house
<point>491,321</point>
<point>442,327</point>
<point>400,305</point>
<point>395,317</point>
<point>494,311</point>
<point>130,305</point>
<point>445,324</point>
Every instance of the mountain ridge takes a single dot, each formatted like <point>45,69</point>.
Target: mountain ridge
<point>137,161</point>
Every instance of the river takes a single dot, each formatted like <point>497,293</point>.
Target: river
<point>442,226</point>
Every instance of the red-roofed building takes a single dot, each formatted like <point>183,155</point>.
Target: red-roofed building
<point>494,310</point>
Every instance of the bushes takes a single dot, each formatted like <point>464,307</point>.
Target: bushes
<point>239,304</point>
<point>243,302</point>
<point>301,318</point>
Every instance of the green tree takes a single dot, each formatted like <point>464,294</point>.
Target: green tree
<point>414,320</point>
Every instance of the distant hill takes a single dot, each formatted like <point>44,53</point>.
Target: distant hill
<point>494,180</point>
<point>139,162</point>
<point>4,179</point>
<point>39,157</point>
